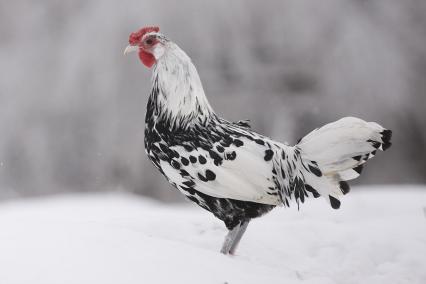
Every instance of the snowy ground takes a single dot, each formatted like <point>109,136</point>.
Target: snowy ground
<point>378,236</point>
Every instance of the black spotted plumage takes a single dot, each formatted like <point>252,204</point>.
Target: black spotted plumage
<point>229,169</point>
<point>268,155</point>
<point>231,155</point>
<point>220,141</point>
<point>230,211</point>
<point>193,159</point>
<point>238,142</point>
<point>184,161</point>
<point>210,175</point>
<point>220,149</point>
<point>202,160</point>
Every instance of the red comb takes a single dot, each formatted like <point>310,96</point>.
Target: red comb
<point>136,37</point>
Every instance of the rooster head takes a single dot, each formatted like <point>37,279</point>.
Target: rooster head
<point>149,43</point>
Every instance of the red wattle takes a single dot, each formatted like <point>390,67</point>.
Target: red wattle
<point>147,58</point>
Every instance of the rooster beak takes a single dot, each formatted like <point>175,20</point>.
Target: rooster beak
<point>131,48</point>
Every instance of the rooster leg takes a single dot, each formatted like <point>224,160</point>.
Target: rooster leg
<point>233,238</point>
<point>241,231</point>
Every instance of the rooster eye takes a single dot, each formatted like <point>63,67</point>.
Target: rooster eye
<point>148,41</point>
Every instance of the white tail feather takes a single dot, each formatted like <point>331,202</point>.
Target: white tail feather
<point>340,149</point>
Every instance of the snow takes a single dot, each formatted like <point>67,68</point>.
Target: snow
<point>378,236</point>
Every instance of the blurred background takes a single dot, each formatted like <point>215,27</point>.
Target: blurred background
<point>72,106</point>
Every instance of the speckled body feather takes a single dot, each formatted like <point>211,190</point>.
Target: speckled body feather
<point>190,156</point>
<point>234,172</point>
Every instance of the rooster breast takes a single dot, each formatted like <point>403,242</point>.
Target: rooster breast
<point>224,167</point>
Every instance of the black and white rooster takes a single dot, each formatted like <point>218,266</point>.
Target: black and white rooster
<point>228,169</point>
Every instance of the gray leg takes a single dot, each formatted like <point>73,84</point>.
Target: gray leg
<point>241,231</point>
<point>233,238</point>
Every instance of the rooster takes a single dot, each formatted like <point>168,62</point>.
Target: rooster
<point>229,169</point>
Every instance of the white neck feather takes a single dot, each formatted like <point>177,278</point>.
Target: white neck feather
<point>181,95</point>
